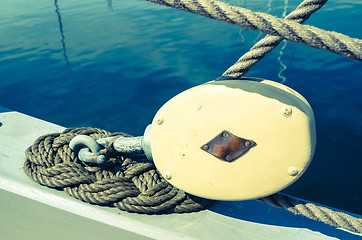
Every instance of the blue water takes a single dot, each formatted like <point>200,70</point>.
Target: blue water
<point>113,64</point>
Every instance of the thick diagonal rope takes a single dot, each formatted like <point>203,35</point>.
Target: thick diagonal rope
<point>269,42</point>
<point>129,183</point>
<point>287,29</point>
<point>312,211</point>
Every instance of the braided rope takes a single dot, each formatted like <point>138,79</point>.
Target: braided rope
<point>312,211</point>
<point>129,183</point>
<point>269,42</point>
<point>287,29</point>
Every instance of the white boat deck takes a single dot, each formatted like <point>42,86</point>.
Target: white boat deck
<point>32,211</point>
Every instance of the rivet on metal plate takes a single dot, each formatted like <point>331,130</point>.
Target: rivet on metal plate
<point>228,147</point>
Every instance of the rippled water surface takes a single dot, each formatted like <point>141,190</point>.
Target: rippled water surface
<point>113,64</point>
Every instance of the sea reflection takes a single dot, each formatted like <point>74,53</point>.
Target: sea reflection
<point>61,33</point>
<point>110,5</point>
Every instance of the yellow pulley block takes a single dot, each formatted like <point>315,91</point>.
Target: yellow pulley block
<point>233,139</point>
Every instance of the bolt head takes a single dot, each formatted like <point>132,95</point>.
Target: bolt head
<point>286,111</point>
<point>168,175</point>
<point>293,171</point>
<point>159,120</point>
<point>205,147</point>
<point>225,134</point>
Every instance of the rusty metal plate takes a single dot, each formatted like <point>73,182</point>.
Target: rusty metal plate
<point>227,146</point>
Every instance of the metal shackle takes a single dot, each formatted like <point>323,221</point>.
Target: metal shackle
<point>86,146</point>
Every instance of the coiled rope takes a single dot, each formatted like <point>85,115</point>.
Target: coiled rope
<point>131,183</point>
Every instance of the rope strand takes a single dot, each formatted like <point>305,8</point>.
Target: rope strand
<point>312,211</point>
<point>286,29</point>
<point>128,183</point>
<point>269,42</point>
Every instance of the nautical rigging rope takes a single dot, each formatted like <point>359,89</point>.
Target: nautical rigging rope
<point>315,212</point>
<point>287,29</point>
<point>269,42</point>
<point>131,183</point>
